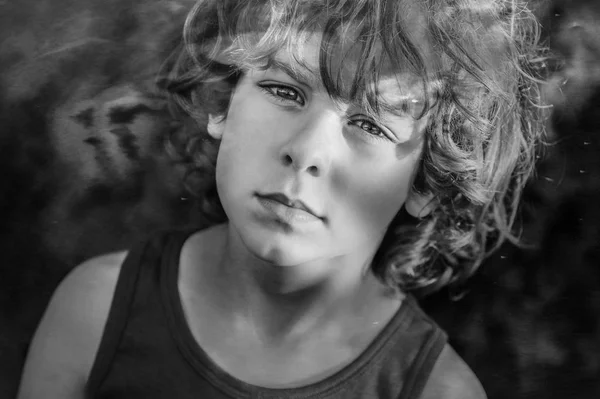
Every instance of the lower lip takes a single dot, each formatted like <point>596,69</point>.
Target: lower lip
<point>286,213</point>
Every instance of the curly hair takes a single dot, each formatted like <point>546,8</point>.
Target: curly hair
<point>476,60</point>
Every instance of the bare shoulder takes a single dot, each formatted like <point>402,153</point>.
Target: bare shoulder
<point>65,343</point>
<point>88,287</point>
<point>95,273</point>
<point>451,378</point>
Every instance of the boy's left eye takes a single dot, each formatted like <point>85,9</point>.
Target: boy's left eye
<point>371,128</point>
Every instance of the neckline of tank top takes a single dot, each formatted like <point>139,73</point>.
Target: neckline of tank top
<point>207,368</point>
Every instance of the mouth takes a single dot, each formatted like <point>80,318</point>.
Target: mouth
<point>294,204</point>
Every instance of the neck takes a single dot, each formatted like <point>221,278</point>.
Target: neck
<point>283,303</point>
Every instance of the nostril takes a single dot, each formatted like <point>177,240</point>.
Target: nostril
<point>313,170</point>
<point>287,160</point>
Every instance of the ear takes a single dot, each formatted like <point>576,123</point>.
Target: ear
<point>215,126</point>
<point>419,205</point>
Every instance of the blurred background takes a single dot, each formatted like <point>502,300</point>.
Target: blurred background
<point>83,172</point>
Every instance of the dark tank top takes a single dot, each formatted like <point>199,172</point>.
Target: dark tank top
<point>148,351</point>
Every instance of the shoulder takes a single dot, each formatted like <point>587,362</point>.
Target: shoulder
<point>97,273</point>
<point>67,338</point>
<point>451,378</point>
<point>89,286</point>
<point>84,296</point>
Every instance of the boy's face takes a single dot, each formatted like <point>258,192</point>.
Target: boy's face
<point>305,178</point>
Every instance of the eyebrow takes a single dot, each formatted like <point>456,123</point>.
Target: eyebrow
<point>301,73</point>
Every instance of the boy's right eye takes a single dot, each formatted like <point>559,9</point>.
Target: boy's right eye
<point>283,93</point>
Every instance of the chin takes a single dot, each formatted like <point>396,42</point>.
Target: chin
<point>279,250</point>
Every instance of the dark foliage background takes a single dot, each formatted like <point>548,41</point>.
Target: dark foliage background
<point>82,172</point>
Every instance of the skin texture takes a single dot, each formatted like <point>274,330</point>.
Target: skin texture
<point>281,135</point>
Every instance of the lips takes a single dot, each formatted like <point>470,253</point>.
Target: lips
<point>285,200</point>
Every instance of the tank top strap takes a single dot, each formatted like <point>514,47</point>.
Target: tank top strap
<point>143,255</point>
<point>426,358</point>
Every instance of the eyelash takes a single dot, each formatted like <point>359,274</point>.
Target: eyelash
<point>273,89</point>
<point>380,136</point>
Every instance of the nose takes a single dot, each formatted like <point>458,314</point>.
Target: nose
<point>312,146</point>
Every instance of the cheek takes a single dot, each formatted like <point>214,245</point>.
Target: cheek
<point>249,142</point>
<point>375,194</point>
<point>251,127</point>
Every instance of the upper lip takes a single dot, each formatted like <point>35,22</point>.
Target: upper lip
<point>292,203</point>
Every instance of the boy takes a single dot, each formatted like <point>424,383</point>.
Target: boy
<point>321,126</point>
